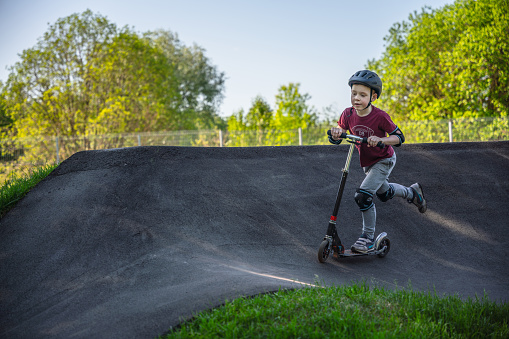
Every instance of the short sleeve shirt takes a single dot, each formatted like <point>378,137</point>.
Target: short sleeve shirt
<point>377,123</point>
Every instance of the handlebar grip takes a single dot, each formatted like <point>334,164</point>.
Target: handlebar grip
<point>380,144</point>
<point>343,135</point>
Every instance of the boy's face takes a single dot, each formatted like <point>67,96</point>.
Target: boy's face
<point>360,96</point>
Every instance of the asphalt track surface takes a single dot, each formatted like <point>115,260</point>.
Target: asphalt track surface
<point>129,242</point>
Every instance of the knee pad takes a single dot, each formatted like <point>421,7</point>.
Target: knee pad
<point>364,199</point>
<point>387,195</point>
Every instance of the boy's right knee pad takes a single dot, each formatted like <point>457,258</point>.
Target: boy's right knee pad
<point>364,199</point>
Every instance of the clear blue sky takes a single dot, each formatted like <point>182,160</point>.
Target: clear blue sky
<point>259,44</point>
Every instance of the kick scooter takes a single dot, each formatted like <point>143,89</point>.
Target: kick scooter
<point>331,243</point>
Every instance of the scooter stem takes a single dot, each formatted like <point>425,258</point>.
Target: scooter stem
<point>348,158</point>
<point>342,184</point>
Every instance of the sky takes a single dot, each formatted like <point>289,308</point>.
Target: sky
<point>260,45</point>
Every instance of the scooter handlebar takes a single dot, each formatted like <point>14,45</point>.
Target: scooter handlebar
<point>356,139</point>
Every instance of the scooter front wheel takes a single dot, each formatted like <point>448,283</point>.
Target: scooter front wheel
<point>387,243</point>
<point>323,251</point>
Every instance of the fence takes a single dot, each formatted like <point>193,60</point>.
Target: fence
<point>19,155</point>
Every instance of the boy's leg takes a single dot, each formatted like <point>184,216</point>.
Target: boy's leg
<point>401,191</point>
<point>376,176</point>
<point>413,194</point>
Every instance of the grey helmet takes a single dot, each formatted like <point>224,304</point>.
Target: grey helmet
<point>367,78</point>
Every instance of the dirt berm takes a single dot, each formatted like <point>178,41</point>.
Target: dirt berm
<point>126,243</point>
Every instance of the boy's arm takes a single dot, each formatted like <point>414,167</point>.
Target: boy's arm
<point>390,140</point>
<point>395,138</point>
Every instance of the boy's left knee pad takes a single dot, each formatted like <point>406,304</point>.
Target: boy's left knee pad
<point>364,199</point>
<point>387,195</point>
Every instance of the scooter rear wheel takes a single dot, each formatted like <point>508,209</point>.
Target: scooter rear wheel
<point>323,251</point>
<point>387,243</point>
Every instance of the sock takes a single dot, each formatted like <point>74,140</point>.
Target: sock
<point>369,222</point>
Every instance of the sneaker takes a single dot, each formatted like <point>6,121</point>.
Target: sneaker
<point>363,245</point>
<point>418,198</point>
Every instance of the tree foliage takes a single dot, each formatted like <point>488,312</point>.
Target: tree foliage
<point>198,84</point>
<point>86,76</point>
<point>5,120</point>
<point>292,109</point>
<point>447,63</point>
<point>292,112</point>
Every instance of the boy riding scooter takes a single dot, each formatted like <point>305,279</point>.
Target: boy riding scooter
<point>364,120</point>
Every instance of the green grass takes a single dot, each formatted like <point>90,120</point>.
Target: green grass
<point>352,311</point>
<point>16,187</point>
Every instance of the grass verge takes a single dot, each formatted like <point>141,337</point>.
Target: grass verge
<point>351,311</point>
<point>15,188</point>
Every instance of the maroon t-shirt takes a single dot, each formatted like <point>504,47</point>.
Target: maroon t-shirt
<point>376,123</point>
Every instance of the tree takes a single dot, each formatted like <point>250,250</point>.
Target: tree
<point>198,84</point>
<point>86,76</point>
<point>291,114</point>
<point>130,88</point>
<point>46,92</point>
<point>447,63</point>
<point>259,116</point>
<point>292,110</point>
<point>5,120</point>
<point>252,128</point>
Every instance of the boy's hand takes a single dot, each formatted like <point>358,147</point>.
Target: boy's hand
<point>336,133</point>
<point>373,141</point>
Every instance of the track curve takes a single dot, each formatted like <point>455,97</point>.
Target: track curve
<point>129,242</point>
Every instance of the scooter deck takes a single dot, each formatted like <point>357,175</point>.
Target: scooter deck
<point>350,253</point>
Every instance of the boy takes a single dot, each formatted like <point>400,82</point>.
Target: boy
<point>365,120</point>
